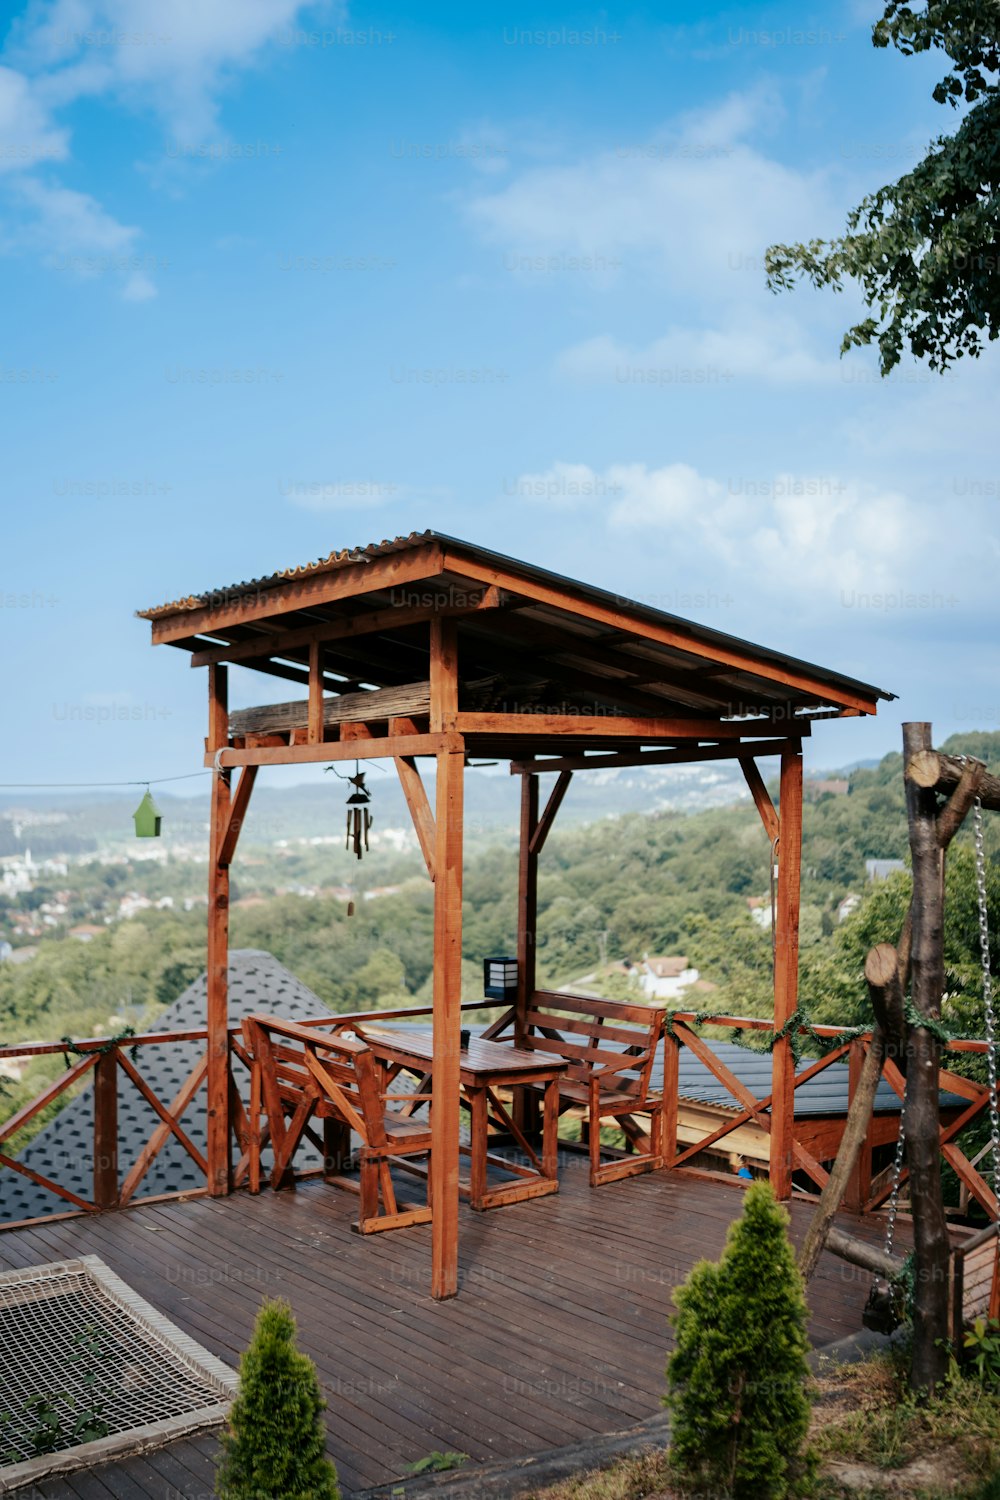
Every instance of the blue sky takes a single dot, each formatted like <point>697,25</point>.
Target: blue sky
<point>281,278</point>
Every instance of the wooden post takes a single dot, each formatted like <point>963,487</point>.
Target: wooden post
<point>106,1130</point>
<point>527,905</point>
<point>671,1082</point>
<point>448,838</point>
<point>316,728</point>
<point>786,969</point>
<point>447,1022</point>
<point>921,1120</point>
<point>859,1180</point>
<point>218,1148</point>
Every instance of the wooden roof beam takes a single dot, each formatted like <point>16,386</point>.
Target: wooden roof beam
<point>666,635</point>
<point>613,727</point>
<point>245,603</point>
<point>722,750</point>
<point>370,622</point>
<point>545,642</point>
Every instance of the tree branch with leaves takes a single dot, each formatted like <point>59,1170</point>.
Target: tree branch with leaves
<point>925,250</point>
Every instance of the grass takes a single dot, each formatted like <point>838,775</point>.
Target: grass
<point>863,1416</point>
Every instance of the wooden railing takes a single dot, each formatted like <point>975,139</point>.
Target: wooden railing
<point>866,1193</point>
<point>112,1063</point>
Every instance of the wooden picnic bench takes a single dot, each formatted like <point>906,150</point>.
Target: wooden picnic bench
<point>609,1047</point>
<point>298,1075</point>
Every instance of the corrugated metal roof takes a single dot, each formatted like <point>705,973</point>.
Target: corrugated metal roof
<point>339,558</point>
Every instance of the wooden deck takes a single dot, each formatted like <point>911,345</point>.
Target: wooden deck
<point>559,1332</point>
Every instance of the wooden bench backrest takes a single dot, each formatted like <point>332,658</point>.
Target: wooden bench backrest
<point>298,1063</point>
<point>609,1039</point>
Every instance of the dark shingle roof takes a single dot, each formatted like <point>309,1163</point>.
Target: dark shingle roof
<point>63,1151</point>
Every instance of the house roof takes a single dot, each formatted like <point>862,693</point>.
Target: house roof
<point>666,966</point>
<point>543,643</point>
<point>63,1151</point>
<point>824,1094</point>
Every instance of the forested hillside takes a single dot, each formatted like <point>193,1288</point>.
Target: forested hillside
<point>659,883</point>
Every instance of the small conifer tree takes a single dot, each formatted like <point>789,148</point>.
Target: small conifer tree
<point>738,1375</point>
<point>275,1443</point>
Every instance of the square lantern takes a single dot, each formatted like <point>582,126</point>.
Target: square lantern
<point>147,818</point>
<point>500,978</point>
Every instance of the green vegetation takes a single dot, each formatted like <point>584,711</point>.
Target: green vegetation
<point>611,890</point>
<point>275,1443</point>
<point>874,1420</point>
<point>924,248</point>
<point>738,1375</point>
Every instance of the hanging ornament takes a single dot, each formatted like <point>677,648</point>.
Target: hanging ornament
<point>359,818</point>
<point>147,818</point>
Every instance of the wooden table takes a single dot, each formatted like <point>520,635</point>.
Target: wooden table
<point>484,1068</point>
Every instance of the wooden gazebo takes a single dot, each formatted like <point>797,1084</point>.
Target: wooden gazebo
<point>431,647</point>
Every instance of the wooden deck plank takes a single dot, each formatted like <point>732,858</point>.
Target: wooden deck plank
<point>560,1331</point>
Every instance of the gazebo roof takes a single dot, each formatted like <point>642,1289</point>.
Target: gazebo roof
<point>529,640</point>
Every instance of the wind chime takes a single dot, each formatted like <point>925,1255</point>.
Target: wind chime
<point>359,818</point>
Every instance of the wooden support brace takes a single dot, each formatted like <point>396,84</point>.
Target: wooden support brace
<point>420,808</point>
<point>759,793</point>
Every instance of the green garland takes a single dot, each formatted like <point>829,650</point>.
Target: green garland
<point>798,1028</point>
<point>111,1045</point>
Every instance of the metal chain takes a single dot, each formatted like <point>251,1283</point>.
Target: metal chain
<point>897,1172</point>
<point>988,1012</point>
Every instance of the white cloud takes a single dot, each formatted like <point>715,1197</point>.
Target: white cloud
<point>817,534</point>
<point>771,349</point>
<point>27,133</point>
<point>139,288</point>
<point>693,203</point>
<point>65,218</point>
<point>174,60</point>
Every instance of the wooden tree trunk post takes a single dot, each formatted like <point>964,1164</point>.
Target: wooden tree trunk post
<point>106,1130</point>
<point>448,839</point>
<point>218,1154</point>
<point>921,1122</point>
<point>786,969</point>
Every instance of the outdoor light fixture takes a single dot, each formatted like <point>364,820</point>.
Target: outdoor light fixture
<point>147,818</point>
<point>500,978</point>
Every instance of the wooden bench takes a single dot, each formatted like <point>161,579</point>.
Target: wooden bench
<point>299,1075</point>
<point>609,1046</point>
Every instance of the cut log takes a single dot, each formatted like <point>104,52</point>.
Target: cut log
<point>859,1253</point>
<point>408,699</point>
<point>884,973</point>
<point>933,771</point>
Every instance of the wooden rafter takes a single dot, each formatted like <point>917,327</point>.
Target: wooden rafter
<point>720,750</point>
<point>574,599</point>
<point>369,622</point>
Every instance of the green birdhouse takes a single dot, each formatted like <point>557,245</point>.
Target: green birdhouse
<point>147,818</point>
